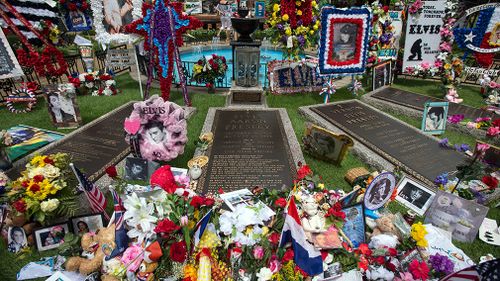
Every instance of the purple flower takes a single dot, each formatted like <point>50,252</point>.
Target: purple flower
<point>279,26</point>
<point>444,143</point>
<point>301,40</point>
<point>462,148</point>
<point>441,179</point>
<point>480,199</point>
<point>441,264</point>
<point>454,119</point>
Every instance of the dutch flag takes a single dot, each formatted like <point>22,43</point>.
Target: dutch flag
<point>306,256</point>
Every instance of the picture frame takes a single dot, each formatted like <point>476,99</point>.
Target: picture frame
<point>108,28</point>
<point>434,118</point>
<point>243,197</point>
<point>408,257</point>
<point>414,195</point>
<point>354,227</point>
<point>16,239</point>
<point>87,223</point>
<point>382,74</point>
<point>457,215</point>
<point>494,39</point>
<point>333,272</point>
<point>491,155</point>
<point>50,237</point>
<point>62,106</point>
<point>9,65</point>
<point>260,9</point>
<point>77,21</point>
<point>343,40</point>
<point>136,168</point>
<point>326,145</point>
<point>379,191</point>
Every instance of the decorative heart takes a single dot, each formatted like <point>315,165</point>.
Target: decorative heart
<point>132,126</point>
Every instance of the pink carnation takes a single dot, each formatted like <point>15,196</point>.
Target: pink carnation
<point>445,46</point>
<point>133,253</point>
<point>425,65</point>
<point>493,131</point>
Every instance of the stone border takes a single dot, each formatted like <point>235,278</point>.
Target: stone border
<point>293,143</point>
<point>366,154</point>
<point>415,113</point>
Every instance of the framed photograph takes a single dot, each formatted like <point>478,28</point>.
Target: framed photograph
<point>435,117</point>
<point>491,156</point>
<point>50,237</point>
<point>16,239</point>
<point>326,145</point>
<point>350,197</point>
<point>193,7</point>
<point>414,195</point>
<point>63,108</point>
<point>333,271</point>
<point>382,75</point>
<point>379,191</point>
<point>77,21</point>
<point>408,257</point>
<point>457,215</point>
<point>87,223</point>
<point>354,226</point>
<point>343,40</point>
<point>111,17</point>
<point>243,197</point>
<point>3,214</point>
<point>9,65</point>
<point>260,9</point>
<point>495,36</point>
<point>136,169</point>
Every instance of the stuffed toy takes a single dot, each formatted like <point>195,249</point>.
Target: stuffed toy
<point>385,225</point>
<point>146,271</point>
<point>98,243</point>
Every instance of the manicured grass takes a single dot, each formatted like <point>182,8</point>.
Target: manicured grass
<point>470,94</point>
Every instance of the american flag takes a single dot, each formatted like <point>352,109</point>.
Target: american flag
<point>95,197</point>
<point>486,271</point>
<point>121,238</point>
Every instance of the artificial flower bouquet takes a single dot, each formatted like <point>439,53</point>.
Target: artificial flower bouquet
<point>43,190</point>
<point>490,90</point>
<point>491,126</point>
<point>208,69</point>
<point>382,31</point>
<point>96,83</point>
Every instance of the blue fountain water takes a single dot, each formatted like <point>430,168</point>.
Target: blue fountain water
<point>266,55</point>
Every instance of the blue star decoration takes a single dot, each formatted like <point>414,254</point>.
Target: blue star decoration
<point>474,36</point>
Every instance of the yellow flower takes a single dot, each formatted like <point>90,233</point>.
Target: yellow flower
<point>273,23</point>
<point>478,126</point>
<point>38,161</point>
<point>311,32</point>
<point>288,31</point>
<point>274,15</point>
<point>321,186</point>
<point>315,27</point>
<point>418,233</point>
<point>299,12</point>
<point>298,3</point>
<point>314,4</point>
<point>285,17</point>
<point>190,272</point>
<point>265,230</point>
<point>447,66</point>
<point>276,7</point>
<point>191,224</point>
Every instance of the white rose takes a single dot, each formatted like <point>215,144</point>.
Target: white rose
<point>50,172</point>
<point>49,205</point>
<point>264,274</point>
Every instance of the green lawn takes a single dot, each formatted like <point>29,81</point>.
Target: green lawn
<point>333,176</point>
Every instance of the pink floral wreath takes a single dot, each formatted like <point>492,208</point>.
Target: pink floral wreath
<point>161,127</point>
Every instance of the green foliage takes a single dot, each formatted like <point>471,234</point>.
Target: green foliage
<point>288,273</point>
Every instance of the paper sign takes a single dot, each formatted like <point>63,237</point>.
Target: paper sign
<point>119,58</point>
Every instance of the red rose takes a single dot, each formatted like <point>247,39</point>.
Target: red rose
<point>200,62</point>
<point>85,6</point>
<point>196,201</point>
<point>288,256</point>
<point>336,211</point>
<point>34,188</point>
<point>274,238</point>
<point>19,205</point>
<point>25,184</point>
<point>380,260</point>
<point>391,267</point>
<point>164,178</point>
<point>496,123</point>
<point>303,172</point>
<point>364,249</point>
<point>72,7</point>
<point>419,270</point>
<point>111,171</point>
<point>166,226</point>
<point>280,202</point>
<point>38,178</point>
<point>209,202</point>
<point>89,78</point>
<point>386,9</point>
<point>393,252</point>
<point>490,181</point>
<point>178,251</point>
<point>47,160</point>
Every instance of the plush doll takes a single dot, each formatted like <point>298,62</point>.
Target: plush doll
<point>146,271</point>
<point>385,225</point>
<point>97,243</point>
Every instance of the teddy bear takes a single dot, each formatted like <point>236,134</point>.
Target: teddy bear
<point>385,225</point>
<point>93,243</point>
<point>146,271</point>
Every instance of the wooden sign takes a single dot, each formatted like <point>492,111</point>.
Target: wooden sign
<point>9,66</point>
<point>326,145</point>
<point>294,77</point>
<point>119,58</point>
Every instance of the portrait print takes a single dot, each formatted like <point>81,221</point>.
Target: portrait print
<point>78,21</point>
<point>117,14</point>
<point>354,226</point>
<point>381,75</point>
<point>136,169</point>
<point>344,38</point>
<point>87,223</point>
<point>62,107</point>
<point>326,145</point>
<point>414,195</point>
<point>435,117</point>
<point>259,9</point>
<point>333,271</point>
<point>50,237</point>
<point>17,239</point>
<point>495,36</point>
<point>379,191</point>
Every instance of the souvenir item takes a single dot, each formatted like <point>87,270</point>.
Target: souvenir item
<point>379,191</point>
<point>414,195</point>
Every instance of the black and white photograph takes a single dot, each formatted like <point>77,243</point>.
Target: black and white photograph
<point>333,271</point>
<point>325,145</point>
<point>379,191</point>
<point>457,215</point>
<point>434,118</point>
<point>156,132</point>
<point>87,223</point>
<point>63,109</point>
<point>136,169</point>
<point>17,239</point>
<point>244,197</point>
<point>414,195</point>
<point>9,65</point>
<point>344,39</point>
<point>50,237</point>
<point>381,75</point>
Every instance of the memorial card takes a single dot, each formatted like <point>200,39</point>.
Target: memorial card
<point>17,239</point>
<point>435,117</point>
<point>414,195</point>
<point>323,144</point>
<point>62,106</point>
<point>192,7</point>
<point>260,9</point>
<point>459,216</point>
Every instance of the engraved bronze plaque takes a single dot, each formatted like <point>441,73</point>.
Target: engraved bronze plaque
<point>93,148</point>
<point>250,149</point>
<point>416,101</point>
<point>402,145</point>
<point>247,97</point>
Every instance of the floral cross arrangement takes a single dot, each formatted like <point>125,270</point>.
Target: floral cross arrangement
<point>208,69</point>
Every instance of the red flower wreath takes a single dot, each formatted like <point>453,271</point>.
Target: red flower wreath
<point>45,65</point>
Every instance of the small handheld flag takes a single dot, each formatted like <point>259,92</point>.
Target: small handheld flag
<point>95,197</point>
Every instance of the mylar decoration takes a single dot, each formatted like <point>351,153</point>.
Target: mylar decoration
<point>343,40</point>
<point>157,129</point>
